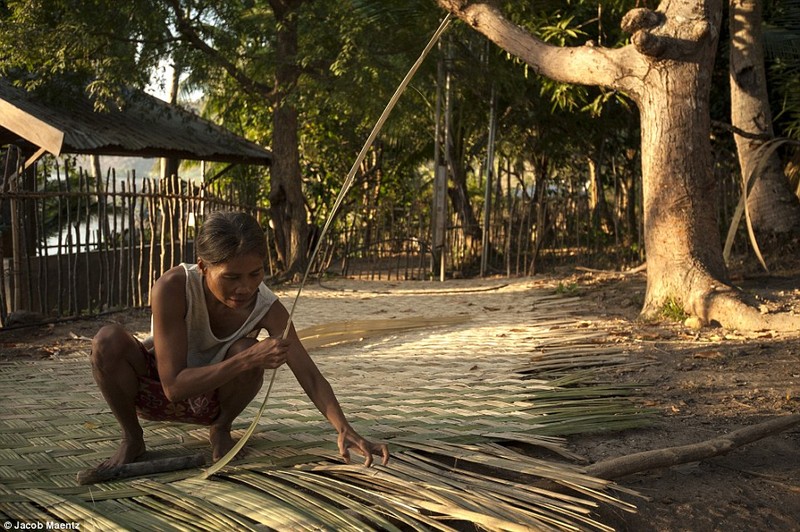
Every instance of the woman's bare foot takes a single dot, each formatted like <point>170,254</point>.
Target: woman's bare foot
<point>129,450</point>
<point>221,441</point>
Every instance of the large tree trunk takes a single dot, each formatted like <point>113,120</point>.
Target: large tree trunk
<point>682,240</point>
<point>667,71</point>
<point>773,207</point>
<point>287,208</point>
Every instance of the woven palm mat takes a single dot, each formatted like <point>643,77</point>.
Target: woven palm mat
<point>442,397</point>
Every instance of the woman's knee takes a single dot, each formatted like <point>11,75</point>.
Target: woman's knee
<point>108,339</point>
<point>112,344</point>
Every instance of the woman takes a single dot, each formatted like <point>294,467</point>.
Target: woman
<point>202,363</point>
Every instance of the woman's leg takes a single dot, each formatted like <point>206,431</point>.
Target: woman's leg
<point>233,397</point>
<point>117,362</point>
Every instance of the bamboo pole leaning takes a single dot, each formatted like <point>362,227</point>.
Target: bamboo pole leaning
<point>340,198</point>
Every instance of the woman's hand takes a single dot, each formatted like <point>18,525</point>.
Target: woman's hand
<point>350,439</point>
<point>269,353</point>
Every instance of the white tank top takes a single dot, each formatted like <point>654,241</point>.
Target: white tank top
<point>204,347</point>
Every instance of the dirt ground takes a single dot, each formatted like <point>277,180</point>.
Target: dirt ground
<point>703,383</point>
<point>708,383</point>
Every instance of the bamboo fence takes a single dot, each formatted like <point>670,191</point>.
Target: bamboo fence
<point>74,244</point>
<point>81,245</point>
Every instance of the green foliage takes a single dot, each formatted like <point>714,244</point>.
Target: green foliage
<point>351,55</point>
<point>568,289</point>
<point>782,47</point>
<point>572,23</point>
<point>105,45</point>
<point>673,310</point>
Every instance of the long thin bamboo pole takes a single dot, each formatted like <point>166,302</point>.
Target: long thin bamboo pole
<point>71,302</point>
<point>114,237</point>
<point>59,248</point>
<point>151,215</point>
<point>348,182</point>
<point>140,230</point>
<point>87,239</point>
<point>162,203</point>
<point>103,236</point>
<point>77,255</point>
<point>130,278</point>
<point>41,242</point>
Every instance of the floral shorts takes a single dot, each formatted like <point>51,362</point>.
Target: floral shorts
<point>152,402</point>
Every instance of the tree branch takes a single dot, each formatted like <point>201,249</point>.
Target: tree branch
<point>648,34</point>
<point>636,463</point>
<point>741,132</point>
<point>137,469</point>
<point>584,65</point>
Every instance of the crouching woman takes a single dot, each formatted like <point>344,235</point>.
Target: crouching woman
<point>202,363</point>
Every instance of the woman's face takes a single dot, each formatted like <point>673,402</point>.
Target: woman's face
<point>235,282</point>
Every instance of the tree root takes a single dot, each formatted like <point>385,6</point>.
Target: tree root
<point>727,306</point>
<point>636,463</point>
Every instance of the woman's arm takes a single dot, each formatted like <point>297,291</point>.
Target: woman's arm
<point>319,390</point>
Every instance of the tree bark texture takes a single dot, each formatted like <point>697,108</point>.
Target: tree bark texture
<point>667,71</point>
<point>287,207</point>
<point>772,206</point>
<point>682,240</point>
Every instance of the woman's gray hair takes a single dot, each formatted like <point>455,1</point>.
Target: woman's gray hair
<point>225,235</point>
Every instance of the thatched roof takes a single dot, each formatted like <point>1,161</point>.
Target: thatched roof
<point>146,127</point>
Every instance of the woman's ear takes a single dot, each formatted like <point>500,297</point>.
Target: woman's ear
<point>201,266</point>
